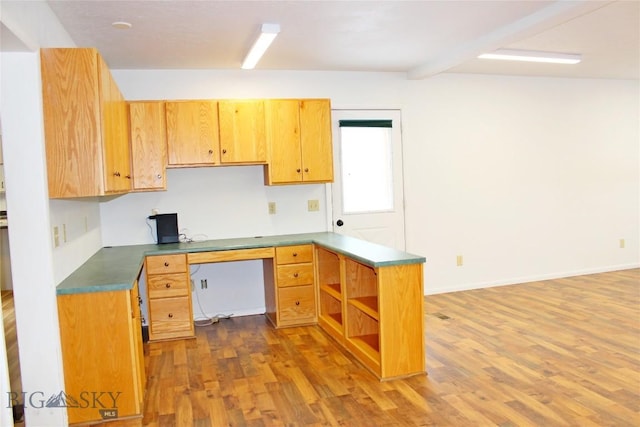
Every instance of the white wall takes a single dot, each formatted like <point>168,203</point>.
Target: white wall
<point>526,178</point>
<point>31,257</point>
<point>27,202</point>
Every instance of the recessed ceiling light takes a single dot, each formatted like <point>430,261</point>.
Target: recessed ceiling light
<point>121,25</point>
<point>533,56</point>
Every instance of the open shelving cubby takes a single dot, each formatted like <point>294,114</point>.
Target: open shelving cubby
<point>363,328</point>
<point>330,286</point>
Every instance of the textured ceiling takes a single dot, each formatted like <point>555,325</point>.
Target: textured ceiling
<point>421,38</point>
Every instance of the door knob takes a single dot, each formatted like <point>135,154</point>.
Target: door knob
<point>339,223</point>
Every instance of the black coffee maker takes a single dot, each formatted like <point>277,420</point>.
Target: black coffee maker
<point>166,227</point>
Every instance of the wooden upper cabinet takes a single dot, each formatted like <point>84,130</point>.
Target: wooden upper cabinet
<point>85,125</point>
<point>299,139</point>
<point>115,133</point>
<point>283,134</point>
<point>148,145</point>
<point>192,133</point>
<point>242,131</point>
<point>316,141</point>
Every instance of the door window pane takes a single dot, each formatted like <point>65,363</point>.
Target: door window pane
<point>367,176</point>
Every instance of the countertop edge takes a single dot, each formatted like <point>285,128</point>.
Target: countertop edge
<point>327,240</point>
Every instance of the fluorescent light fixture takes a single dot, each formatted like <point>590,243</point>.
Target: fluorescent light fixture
<point>533,56</point>
<point>269,32</point>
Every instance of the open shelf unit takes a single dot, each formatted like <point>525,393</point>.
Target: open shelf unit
<point>363,328</point>
<point>330,292</point>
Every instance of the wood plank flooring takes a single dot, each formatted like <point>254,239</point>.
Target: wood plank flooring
<point>11,341</point>
<point>553,353</point>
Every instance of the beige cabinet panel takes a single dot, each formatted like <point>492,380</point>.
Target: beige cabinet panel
<point>316,141</point>
<point>299,139</point>
<point>101,342</point>
<point>147,124</point>
<point>192,133</point>
<point>85,125</point>
<point>242,131</point>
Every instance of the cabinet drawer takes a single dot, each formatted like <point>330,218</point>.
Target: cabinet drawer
<point>161,264</point>
<point>168,285</point>
<point>297,304</point>
<point>170,315</point>
<point>295,274</point>
<point>294,254</point>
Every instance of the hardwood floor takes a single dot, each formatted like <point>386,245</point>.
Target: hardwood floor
<point>551,353</point>
<point>11,341</point>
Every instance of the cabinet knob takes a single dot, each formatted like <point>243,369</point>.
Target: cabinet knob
<point>166,264</point>
<point>295,254</point>
<point>210,151</point>
<point>116,173</point>
<point>159,176</point>
<point>224,151</point>
<point>306,169</point>
<point>128,176</point>
<point>170,315</point>
<point>297,302</point>
<point>295,274</point>
<point>298,170</point>
<point>168,285</point>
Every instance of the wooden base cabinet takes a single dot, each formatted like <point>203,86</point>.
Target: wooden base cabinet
<point>376,313</point>
<point>102,355</point>
<point>169,296</point>
<point>289,286</point>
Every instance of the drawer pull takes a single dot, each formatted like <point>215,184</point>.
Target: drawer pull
<point>170,315</point>
<point>297,302</point>
<point>295,254</point>
<point>295,274</point>
<point>168,285</point>
<point>166,264</point>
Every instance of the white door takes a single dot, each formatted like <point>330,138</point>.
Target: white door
<point>367,193</point>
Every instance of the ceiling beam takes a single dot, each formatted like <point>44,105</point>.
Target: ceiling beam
<point>555,14</point>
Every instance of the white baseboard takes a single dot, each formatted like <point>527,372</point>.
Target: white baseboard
<point>431,290</point>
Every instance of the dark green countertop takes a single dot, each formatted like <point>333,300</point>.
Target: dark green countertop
<point>116,268</point>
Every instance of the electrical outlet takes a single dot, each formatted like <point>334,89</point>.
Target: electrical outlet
<point>459,261</point>
<point>272,208</point>
<point>621,243</point>
<point>313,205</point>
<point>56,237</point>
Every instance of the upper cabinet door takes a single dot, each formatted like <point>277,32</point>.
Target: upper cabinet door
<point>72,122</point>
<point>148,145</point>
<point>86,126</point>
<point>115,133</point>
<point>192,133</point>
<point>283,136</point>
<point>316,141</point>
<point>242,131</point>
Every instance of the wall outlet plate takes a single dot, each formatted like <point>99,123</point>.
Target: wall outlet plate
<point>313,205</point>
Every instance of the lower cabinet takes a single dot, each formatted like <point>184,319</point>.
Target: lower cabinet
<point>290,294</point>
<point>169,297</point>
<point>375,312</point>
<point>102,355</point>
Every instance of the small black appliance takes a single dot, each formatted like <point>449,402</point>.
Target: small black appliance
<point>166,227</point>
